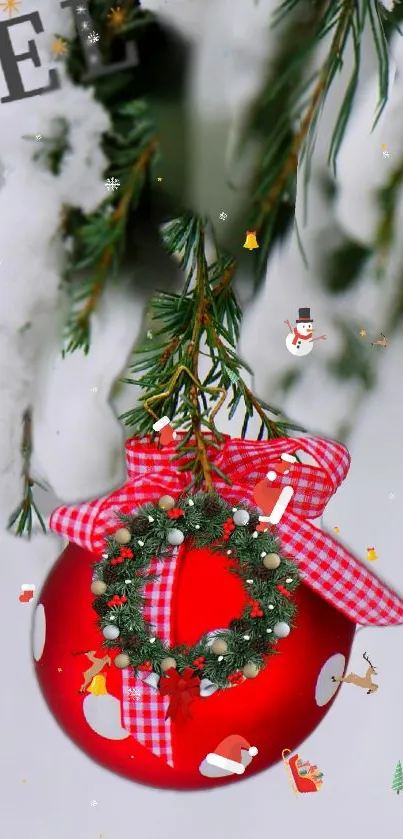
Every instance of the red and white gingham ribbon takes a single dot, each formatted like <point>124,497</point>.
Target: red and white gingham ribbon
<point>324,565</point>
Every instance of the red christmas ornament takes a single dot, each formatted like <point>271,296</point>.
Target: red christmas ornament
<point>133,738</point>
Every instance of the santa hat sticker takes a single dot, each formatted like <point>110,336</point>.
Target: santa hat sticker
<point>231,757</point>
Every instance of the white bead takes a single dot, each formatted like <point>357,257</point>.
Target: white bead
<point>220,658</point>
<point>128,581</point>
<point>263,554</point>
<point>255,535</point>
<point>241,518</point>
<point>229,552</point>
<point>246,637</point>
<point>289,580</point>
<point>110,633</point>
<point>234,509</point>
<point>249,581</point>
<point>197,526</point>
<point>191,503</point>
<point>105,556</point>
<point>152,640</point>
<point>150,519</point>
<point>282,629</point>
<point>271,606</point>
<point>269,630</point>
<point>175,537</point>
<point>140,543</point>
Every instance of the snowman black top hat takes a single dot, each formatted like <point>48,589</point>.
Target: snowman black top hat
<point>304,316</point>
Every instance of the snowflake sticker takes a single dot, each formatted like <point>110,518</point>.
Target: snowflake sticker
<point>112,184</point>
<point>93,37</point>
<point>133,693</point>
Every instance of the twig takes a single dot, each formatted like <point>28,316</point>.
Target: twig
<point>22,517</point>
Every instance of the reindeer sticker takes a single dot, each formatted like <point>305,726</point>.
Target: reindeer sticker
<point>361,681</point>
<point>98,664</point>
<point>382,342</point>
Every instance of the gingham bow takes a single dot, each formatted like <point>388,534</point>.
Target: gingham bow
<point>324,565</point>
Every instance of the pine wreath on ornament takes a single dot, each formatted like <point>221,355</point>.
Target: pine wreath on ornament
<point>269,579</point>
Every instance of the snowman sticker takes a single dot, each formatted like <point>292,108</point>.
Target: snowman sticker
<point>300,340</point>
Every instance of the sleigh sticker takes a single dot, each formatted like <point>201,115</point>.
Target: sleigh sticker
<point>302,775</point>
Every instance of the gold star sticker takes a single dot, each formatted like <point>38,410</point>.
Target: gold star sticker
<point>117,17</point>
<point>10,6</point>
<point>363,333</point>
<point>59,47</point>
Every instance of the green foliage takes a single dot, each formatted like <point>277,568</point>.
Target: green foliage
<point>297,97</point>
<point>204,320</point>
<point>202,522</point>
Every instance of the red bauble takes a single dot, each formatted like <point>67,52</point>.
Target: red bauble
<point>278,709</point>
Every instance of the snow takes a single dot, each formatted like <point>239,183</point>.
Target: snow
<point>79,441</point>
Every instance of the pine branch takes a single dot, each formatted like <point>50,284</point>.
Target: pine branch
<point>303,101</point>
<point>203,320</point>
<point>22,519</point>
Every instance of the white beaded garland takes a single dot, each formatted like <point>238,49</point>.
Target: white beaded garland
<point>110,632</point>
<point>241,518</point>
<point>175,537</point>
<point>281,629</point>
